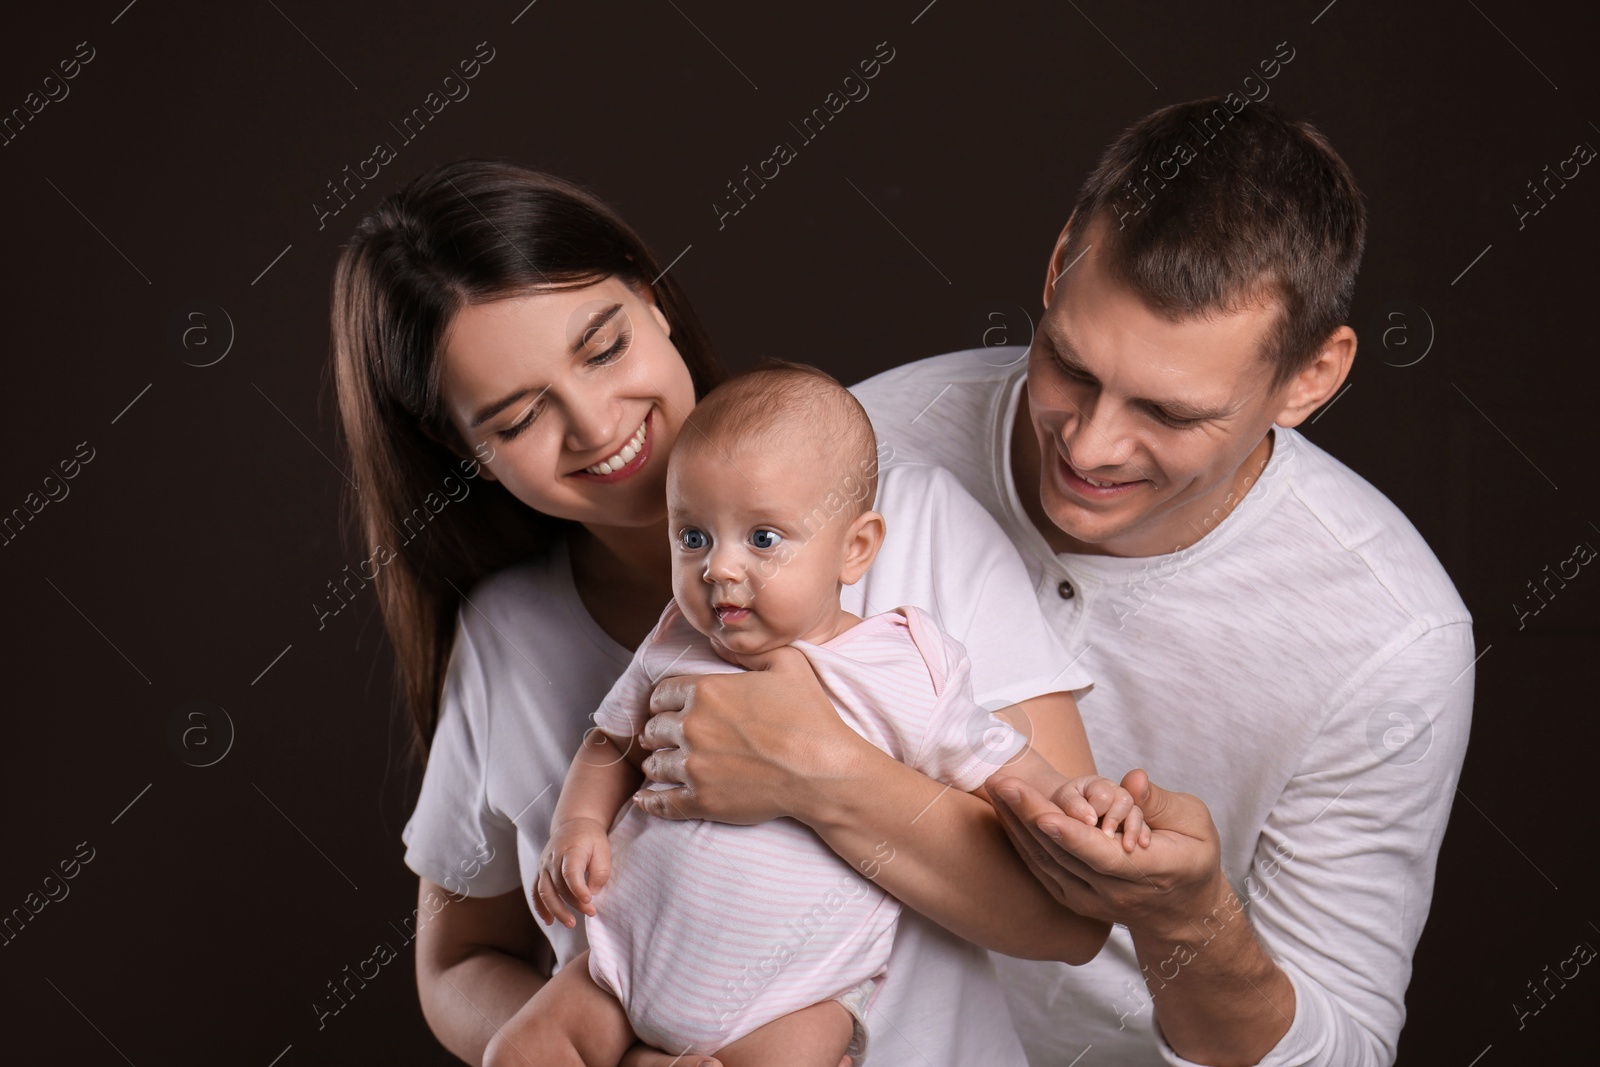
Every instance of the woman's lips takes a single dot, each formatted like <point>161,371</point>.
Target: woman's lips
<point>634,465</point>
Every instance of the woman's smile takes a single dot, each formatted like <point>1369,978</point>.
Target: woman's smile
<point>625,462</point>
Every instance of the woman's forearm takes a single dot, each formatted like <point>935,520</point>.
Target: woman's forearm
<point>468,1002</point>
<point>943,853</point>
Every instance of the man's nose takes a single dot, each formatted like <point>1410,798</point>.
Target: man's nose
<point>1097,436</point>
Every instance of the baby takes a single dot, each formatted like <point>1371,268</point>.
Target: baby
<point>757,944</point>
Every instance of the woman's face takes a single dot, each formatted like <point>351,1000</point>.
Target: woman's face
<point>579,395</point>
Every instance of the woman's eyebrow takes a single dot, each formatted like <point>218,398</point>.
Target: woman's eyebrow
<point>489,411</point>
<point>596,321</point>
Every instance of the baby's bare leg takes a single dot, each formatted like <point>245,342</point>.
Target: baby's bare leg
<point>811,1037</point>
<point>571,1022</point>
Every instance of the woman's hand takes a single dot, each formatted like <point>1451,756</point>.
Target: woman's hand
<point>744,748</point>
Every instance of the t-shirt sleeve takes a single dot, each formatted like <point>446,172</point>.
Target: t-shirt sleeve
<point>626,708</point>
<point>1344,868</point>
<point>962,743</point>
<point>982,594</point>
<point>453,838</point>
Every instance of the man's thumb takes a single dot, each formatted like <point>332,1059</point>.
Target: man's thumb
<point>1151,798</point>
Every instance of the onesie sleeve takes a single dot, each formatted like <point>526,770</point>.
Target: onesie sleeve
<point>453,838</point>
<point>963,744</point>
<point>626,708</point>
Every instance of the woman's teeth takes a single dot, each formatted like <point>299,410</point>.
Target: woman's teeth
<point>623,458</point>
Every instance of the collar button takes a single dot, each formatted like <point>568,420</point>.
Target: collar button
<point>1066,590</point>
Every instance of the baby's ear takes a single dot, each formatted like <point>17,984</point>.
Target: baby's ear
<point>861,544</point>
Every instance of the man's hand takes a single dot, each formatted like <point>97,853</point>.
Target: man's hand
<point>573,866</point>
<point>1160,890</point>
<point>743,748</point>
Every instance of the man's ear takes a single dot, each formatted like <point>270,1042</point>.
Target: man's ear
<point>1319,380</point>
<point>1058,261</point>
<point>861,544</point>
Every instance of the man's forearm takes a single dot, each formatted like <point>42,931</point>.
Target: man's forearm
<point>1219,998</point>
<point>943,853</point>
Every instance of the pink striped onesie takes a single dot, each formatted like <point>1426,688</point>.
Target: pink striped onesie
<point>706,931</point>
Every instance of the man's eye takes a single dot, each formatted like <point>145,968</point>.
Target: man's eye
<point>693,540</point>
<point>766,538</point>
<point>1174,421</point>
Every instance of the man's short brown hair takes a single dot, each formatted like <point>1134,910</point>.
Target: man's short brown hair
<point>1205,208</point>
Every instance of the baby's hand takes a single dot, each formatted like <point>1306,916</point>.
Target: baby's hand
<point>1100,801</point>
<point>572,867</point>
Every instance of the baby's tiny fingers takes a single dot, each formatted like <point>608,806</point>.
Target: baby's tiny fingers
<point>1117,813</point>
<point>1134,833</point>
<point>1069,800</point>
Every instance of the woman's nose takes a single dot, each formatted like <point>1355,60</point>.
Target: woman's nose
<point>590,425</point>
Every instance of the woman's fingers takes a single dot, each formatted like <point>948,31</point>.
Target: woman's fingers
<point>645,1056</point>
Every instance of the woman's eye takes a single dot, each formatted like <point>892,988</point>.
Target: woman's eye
<point>766,538</point>
<point>694,540</point>
<point>521,424</point>
<point>615,352</point>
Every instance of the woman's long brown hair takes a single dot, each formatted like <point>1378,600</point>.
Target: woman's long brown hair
<point>462,233</point>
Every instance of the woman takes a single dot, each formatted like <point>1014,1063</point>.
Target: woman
<point>495,325</point>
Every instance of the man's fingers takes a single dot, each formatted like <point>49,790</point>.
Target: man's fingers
<point>1082,849</point>
<point>1047,863</point>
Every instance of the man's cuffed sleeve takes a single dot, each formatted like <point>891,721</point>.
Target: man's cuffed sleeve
<point>1342,878</point>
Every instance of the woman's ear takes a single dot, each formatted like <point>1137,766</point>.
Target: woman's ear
<point>451,442</point>
<point>861,544</point>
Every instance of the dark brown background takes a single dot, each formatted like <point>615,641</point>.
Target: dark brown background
<point>190,550</point>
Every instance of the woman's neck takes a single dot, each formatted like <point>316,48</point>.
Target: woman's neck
<point>623,575</point>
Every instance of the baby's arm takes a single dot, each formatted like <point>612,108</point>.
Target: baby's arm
<point>577,860</point>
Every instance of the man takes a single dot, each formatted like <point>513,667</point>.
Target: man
<point>1265,631</point>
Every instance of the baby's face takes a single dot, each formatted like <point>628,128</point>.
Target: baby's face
<point>757,553</point>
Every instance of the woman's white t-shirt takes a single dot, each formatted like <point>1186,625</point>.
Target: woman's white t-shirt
<point>530,665</point>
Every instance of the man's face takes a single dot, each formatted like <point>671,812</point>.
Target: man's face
<point>1170,417</point>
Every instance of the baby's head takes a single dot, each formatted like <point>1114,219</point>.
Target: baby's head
<point>769,493</point>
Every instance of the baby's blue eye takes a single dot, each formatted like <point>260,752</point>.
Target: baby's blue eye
<point>766,538</point>
<point>693,539</point>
